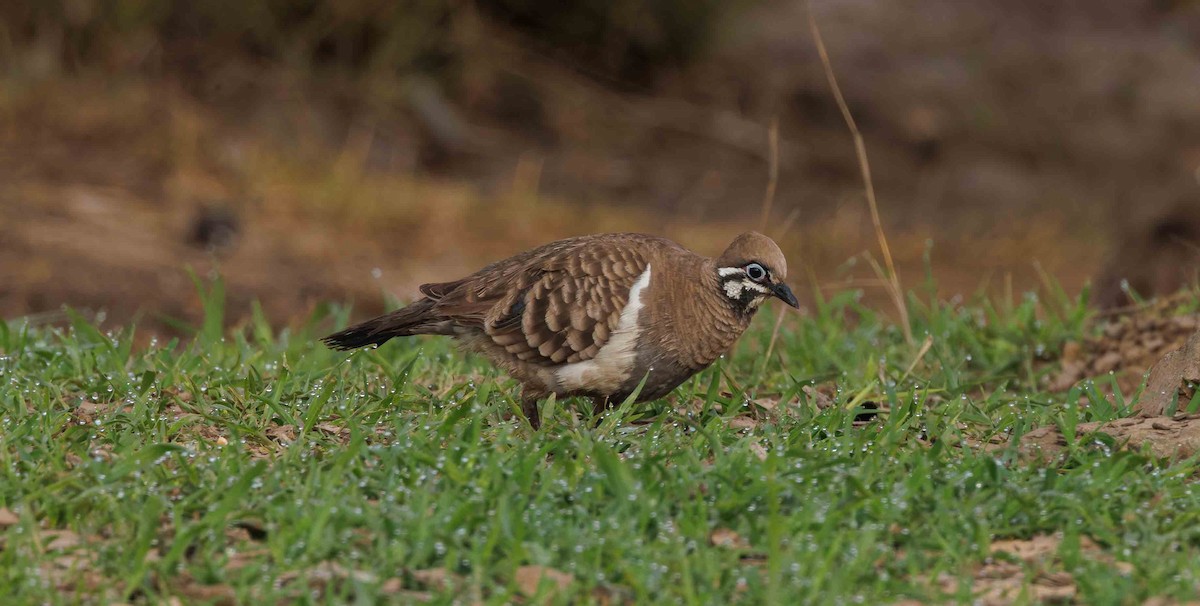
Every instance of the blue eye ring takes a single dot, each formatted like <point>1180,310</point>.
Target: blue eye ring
<point>756,272</point>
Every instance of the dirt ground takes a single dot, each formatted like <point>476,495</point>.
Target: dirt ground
<point>1008,136</point>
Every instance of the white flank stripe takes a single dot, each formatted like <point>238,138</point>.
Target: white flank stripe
<point>612,364</point>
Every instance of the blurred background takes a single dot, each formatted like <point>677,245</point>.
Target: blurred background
<point>337,150</point>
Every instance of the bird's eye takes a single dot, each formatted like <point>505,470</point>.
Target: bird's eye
<point>756,272</point>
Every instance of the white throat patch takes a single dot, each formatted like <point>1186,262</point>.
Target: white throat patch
<point>734,288</point>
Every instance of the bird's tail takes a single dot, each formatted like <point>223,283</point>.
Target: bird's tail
<point>415,319</point>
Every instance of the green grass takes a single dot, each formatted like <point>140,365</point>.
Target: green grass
<point>168,463</point>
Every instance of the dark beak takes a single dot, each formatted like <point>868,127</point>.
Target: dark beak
<point>784,293</point>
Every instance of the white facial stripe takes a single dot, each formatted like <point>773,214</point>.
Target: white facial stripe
<point>755,286</point>
<point>729,271</point>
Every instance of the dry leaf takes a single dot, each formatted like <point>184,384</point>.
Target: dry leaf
<point>282,433</point>
<point>529,578</point>
<point>724,537</point>
<point>88,407</point>
<point>742,422</point>
<point>61,540</point>
<point>254,529</point>
<point>1029,550</point>
<point>759,451</point>
<point>235,534</point>
<point>1057,588</point>
<point>220,593</point>
<point>325,574</point>
<point>8,518</point>
<point>395,587</point>
<point>767,404</point>
<point>819,398</point>
<point>333,430</point>
<point>607,595</point>
<point>436,578</point>
<point>242,559</point>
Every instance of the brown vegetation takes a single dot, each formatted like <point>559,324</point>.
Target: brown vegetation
<point>312,156</point>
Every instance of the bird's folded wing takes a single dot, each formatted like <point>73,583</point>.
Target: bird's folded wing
<point>550,306</point>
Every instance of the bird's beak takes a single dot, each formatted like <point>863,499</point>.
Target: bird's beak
<point>784,293</point>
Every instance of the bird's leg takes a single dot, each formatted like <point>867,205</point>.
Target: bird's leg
<point>529,407</point>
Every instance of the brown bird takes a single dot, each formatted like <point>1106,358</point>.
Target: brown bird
<point>596,315</point>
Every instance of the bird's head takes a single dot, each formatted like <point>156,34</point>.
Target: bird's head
<point>752,269</point>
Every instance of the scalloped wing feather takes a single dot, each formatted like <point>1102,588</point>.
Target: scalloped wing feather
<point>555,305</point>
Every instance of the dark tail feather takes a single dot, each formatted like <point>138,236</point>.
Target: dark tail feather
<point>411,320</point>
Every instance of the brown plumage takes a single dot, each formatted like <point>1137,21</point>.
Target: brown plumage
<point>595,315</point>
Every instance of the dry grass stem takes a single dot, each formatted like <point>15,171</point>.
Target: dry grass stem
<point>860,149</point>
<point>772,174</point>
<point>789,222</point>
<point>925,346</point>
